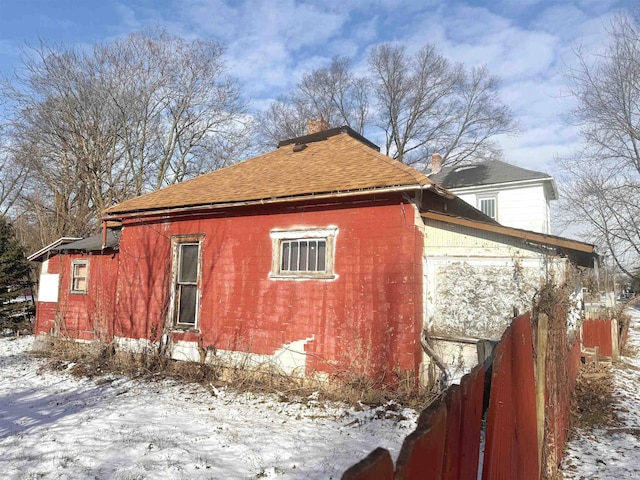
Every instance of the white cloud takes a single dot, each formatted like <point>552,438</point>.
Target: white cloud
<point>267,41</point>
<point>527,43</point>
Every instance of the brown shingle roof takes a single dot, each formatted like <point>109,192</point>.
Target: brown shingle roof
<point>339,163</point>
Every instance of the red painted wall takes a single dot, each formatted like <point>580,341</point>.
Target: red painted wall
<point>83,316</point>
<point>89,316</point>
<point>368,319</point>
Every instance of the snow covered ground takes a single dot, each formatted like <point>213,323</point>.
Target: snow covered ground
<point>53,425</point>
<point>613,453</point>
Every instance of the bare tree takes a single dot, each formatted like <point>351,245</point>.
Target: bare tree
<point>602,180</point>
<point>283,119</point>
<point>427,104</point>
<point>422,103</point>
<point>334,94</point>
<point>13,176</point>
<point>99,125</point>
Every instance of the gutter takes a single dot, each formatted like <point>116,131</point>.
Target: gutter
<point>217,206</point>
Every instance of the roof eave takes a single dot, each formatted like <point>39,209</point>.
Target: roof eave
<point>110,216</point>
<point>35,257</point>
<point>476,187</point>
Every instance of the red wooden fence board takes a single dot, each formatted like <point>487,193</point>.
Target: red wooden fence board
<point>597,333</point>
<point>453,444</point>
<point>511,449</point>
<point>574,363</point>
<point>422,453</point>
<point>472,388</point>
<point>378,465</point>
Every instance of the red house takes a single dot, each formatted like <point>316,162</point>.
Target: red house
<point>310,257</point>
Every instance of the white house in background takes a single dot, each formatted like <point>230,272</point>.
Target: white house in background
<point>511,195</point>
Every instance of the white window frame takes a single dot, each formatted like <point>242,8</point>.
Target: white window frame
<point>494,198</point>
<point>177,242</point>
<point>281,237</point>
<point>74,277</point>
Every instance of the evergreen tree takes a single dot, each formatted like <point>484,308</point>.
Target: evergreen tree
<point>14,277</point>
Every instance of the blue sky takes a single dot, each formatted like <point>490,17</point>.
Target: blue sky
<point>270,44</point>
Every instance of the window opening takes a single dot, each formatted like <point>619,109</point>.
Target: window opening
<point>303,253</point>
<point>79,276</point>
<point>186,283</point>
<point>488,207</point>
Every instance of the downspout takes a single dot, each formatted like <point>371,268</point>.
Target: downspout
<point>104,234</point>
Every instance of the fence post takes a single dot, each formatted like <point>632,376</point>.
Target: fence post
<point>541,357</point>
<point>615,352</point>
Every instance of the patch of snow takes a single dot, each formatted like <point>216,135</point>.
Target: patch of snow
<point>613,453</point>
<point>56,426</point>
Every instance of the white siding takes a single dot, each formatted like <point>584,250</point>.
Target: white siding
<point>524,207</point>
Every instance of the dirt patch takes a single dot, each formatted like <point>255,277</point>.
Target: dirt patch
<point>593,404</point>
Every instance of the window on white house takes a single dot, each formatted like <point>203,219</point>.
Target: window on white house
<point>303,253</point>
<point>488,207</point>
<point>186,278</point>
<point>79,276</point>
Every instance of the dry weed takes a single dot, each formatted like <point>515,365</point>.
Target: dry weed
<point>593,403</point>
<point>96,359</point>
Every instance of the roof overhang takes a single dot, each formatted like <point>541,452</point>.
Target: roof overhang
<point>581,253</point>
<point>114,216</point>
<point>40,255</point>
<point>92,244</point>
<point>548,183</point>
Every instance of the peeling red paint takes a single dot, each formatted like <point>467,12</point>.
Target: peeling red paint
<point>368,319</point>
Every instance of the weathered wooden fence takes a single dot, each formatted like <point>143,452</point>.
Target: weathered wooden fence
<point>445,444</point>
<point>511,448</point>
<point>601,333</point>
<point>532,376</point>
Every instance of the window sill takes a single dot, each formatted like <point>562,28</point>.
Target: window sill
<point>185,329</point>
<point>302,276</point>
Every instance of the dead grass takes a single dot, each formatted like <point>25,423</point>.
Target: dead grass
<point>593,402</point>
<point>97,360</point>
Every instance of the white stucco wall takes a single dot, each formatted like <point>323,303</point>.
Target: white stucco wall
<point>475,279</point>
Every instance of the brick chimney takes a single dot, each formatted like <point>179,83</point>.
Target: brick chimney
<point>436,163</point>
<point>317,125</point>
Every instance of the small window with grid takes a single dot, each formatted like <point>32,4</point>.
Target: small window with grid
<point>303,254</point>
